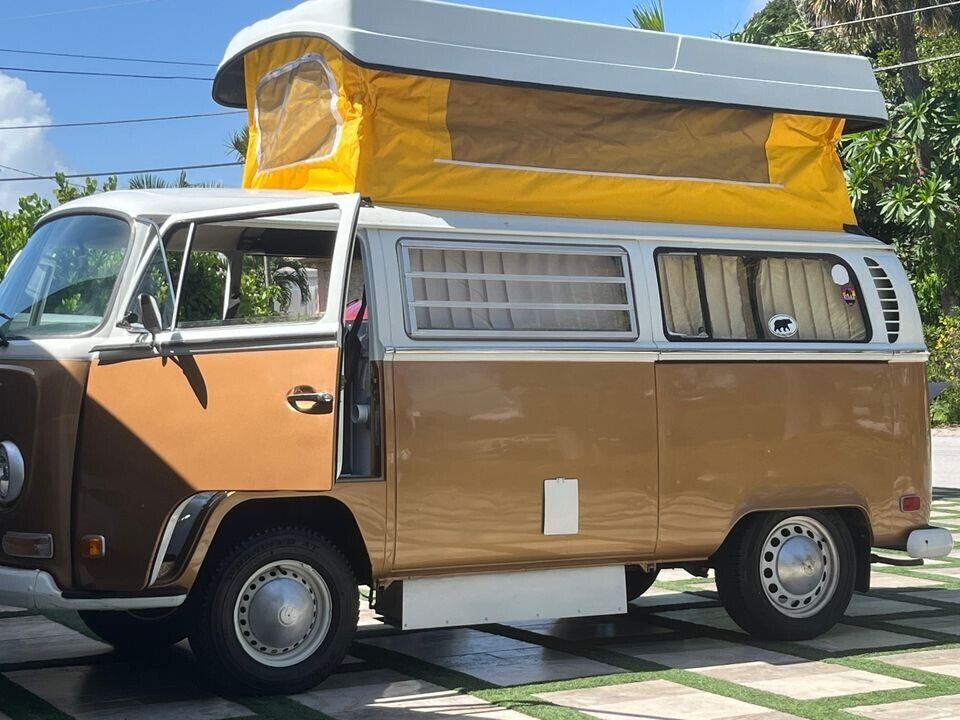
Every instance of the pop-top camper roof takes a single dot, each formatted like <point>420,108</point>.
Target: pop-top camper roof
<point>434,38</point>
<point>429,104</point>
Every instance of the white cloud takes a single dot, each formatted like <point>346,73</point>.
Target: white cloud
<point>24,149</point>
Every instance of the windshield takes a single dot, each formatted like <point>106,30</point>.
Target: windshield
<point>63,280</point>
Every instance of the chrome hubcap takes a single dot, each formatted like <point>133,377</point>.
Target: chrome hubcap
<point>799,567</point>
<point>283,613</point>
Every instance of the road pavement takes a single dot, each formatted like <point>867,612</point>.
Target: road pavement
<point>946,461</point>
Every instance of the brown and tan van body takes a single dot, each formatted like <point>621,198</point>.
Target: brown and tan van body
<point>542,395</point>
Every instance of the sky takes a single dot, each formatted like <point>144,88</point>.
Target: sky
<point>183,30</point>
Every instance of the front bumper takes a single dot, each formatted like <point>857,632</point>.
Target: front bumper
<point>37,590</point>
<point>929,543</point>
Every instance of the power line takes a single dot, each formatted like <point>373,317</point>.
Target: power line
<point>104,74</point>
<point>110,58</point>
<point>873,18</point>
<point>77,10</point>
<point>130,121</point>
<point>18,170</point>
<point>178,168</point>
<point>952,56</point>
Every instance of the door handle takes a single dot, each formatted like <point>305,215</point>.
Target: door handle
<point>305,399</point>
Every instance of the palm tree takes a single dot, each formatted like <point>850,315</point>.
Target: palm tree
<point>148,181</point>
<point>904,26</point>
<point>649,16</point>
<point>238,142</point>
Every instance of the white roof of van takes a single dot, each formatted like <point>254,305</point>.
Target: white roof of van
<point>437,38</point>
<point>160,204</point>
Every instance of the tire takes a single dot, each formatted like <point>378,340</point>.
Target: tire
<point>639,581</point>
<point>789,575</point>
<point>278,614</point>
<point>140,630</point>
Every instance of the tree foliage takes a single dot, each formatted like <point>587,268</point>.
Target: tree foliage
<point>649,16</point>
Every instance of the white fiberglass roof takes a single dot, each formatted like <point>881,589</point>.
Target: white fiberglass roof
<point>160,204</point>
<point>436,38</point>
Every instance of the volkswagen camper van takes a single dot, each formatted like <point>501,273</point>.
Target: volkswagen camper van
<point>511,314</point>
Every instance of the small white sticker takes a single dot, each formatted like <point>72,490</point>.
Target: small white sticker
<point>782,326</point>
<point>840,274</point>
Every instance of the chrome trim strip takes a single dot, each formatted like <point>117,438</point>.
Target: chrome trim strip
<point>498,355</point>
<point>37,590</point>
<point>642,355</point>
<point>165,539</point>
<point>777,356</point>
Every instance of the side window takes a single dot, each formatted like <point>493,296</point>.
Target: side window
<point>744,297</point>
<point>680,294</point>
<point>494,290</point>
<point>242,276</point>
<point>204,287</point>
<point>155,281</point>
<point>296,114</point>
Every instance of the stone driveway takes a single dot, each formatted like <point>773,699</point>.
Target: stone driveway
<point>675,655</point>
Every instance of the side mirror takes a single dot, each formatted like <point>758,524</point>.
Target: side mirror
<point>150,314</point>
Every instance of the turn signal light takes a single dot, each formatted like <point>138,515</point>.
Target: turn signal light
<point>93,546</point>
<point>28,545</point>
<point>910,503</point>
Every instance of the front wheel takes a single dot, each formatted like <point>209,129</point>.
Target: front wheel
<point>279,614</point>
<point>788,576</point>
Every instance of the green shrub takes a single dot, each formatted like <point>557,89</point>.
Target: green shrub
<point>943,340</point>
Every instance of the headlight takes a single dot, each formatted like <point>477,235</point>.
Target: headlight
<point>11,472</point>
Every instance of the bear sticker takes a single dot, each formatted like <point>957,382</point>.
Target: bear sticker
<point>782,326</point>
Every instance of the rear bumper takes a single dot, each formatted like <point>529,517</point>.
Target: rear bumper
<point>37,590</point>
<point>929,543</point>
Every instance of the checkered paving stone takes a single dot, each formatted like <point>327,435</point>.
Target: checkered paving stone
<point>880,580</point>
<point>866,605</point>
<point>953,571</point>
<point>387,694</point>
<point>703,677</point>
<point>36,639</point>
<point>935,708</point>
<point>849,638</point>
<point>496,659</point>
<point>948,623</point>
<point>118,691</point>
<point>762,669</point>
<point>841,638</point>
<point>657,598</point>
<point>945,662</point>
<point>658,700</point>
<point>945,596</point>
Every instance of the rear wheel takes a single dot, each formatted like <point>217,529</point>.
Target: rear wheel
<point>788,576</point>
<point>278,615</point>
<point>135,630</point>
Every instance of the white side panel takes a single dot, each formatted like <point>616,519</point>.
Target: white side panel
<point>561,506</point>
<point>513,597</point>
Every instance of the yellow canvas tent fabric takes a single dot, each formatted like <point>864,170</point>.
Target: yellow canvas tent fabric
<point>320,121</point>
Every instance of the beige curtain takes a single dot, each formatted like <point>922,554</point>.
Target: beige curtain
<point>728,297</point>
<point>804,289</point>
<point>680,295</point>
<point>514,290</point>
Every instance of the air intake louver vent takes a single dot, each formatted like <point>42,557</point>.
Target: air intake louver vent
<point>888,299</point>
